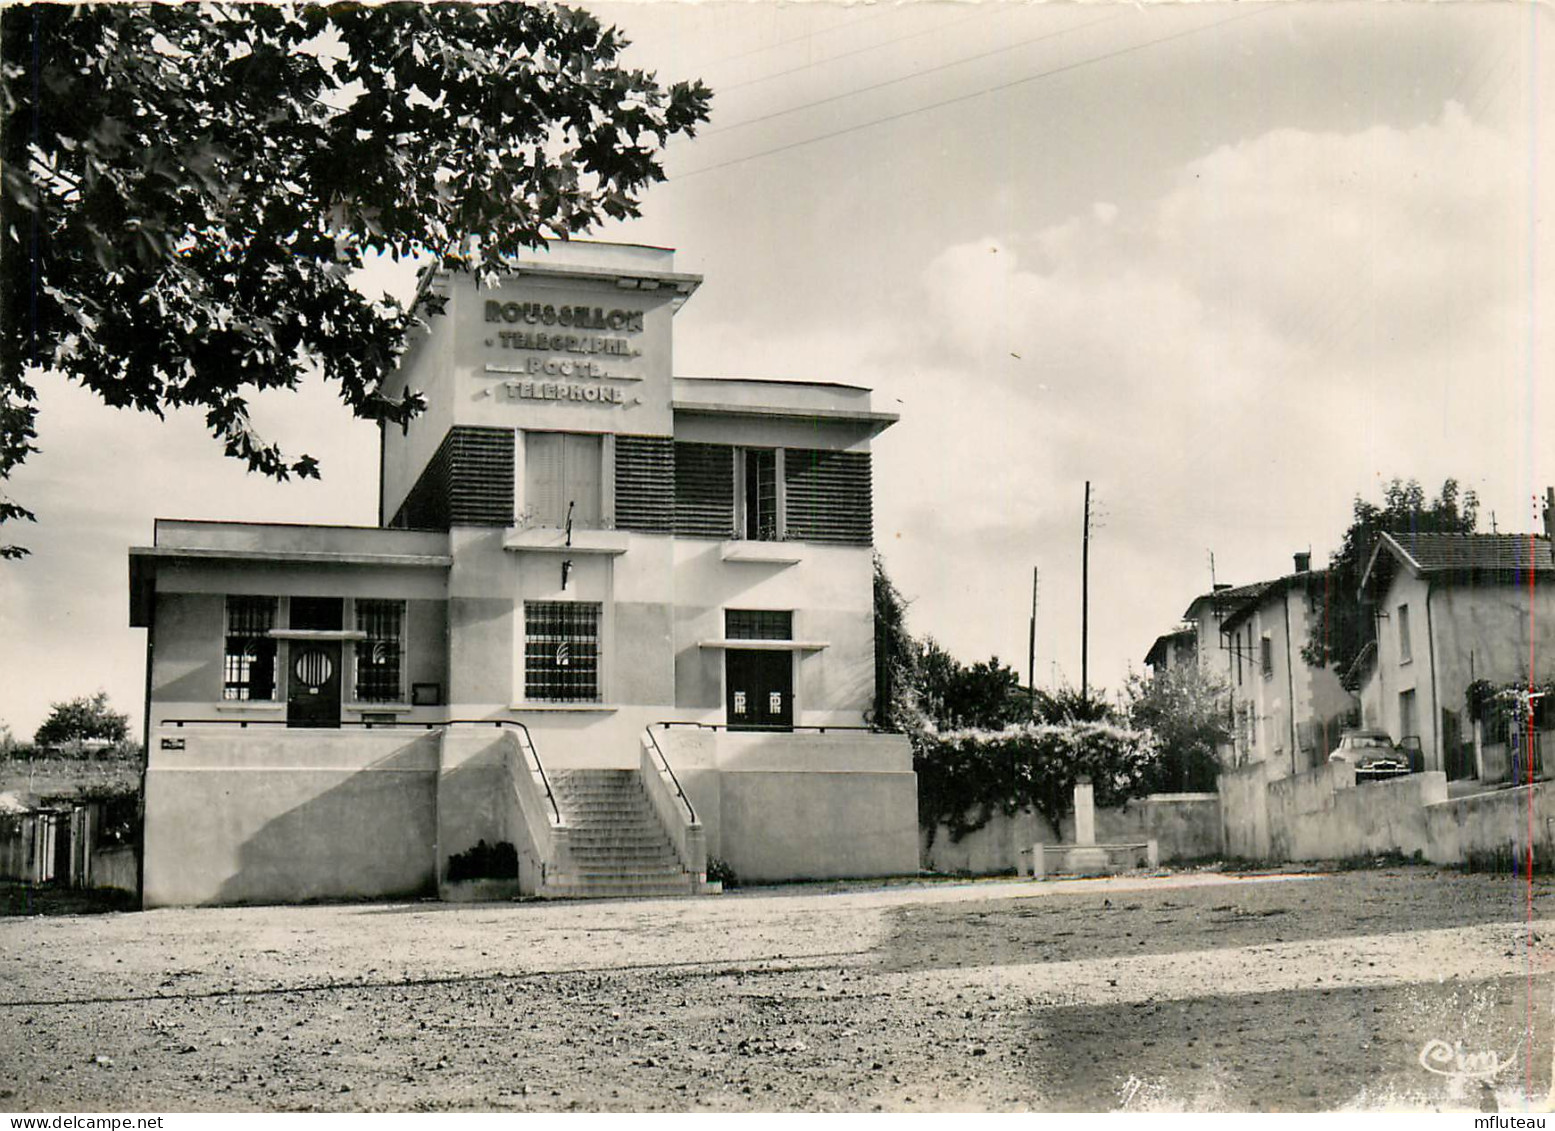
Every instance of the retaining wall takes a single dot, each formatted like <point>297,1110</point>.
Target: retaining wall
<point>1493,829</point>
<point>283,816</point>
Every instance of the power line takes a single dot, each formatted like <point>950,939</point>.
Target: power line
<point>879,11</point>
<point>977,14</point>
<point>975,94</point>
<point>906,78</point>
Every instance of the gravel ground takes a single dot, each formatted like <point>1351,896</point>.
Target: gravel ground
<point>1198,991</point>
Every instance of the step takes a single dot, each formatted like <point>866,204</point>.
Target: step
<point>612,833</point>
<point>564,890</point>
<point>603,853</point>
<point>624,808</point>
<point>635,825</point>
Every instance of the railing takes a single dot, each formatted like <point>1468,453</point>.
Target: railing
<point>819,729</point>
<point>391,724</point>
<point>678,820</point>
<point>665,762</point>
<point>539,769</point>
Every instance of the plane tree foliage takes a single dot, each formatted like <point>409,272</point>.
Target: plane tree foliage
<point>186,190</point>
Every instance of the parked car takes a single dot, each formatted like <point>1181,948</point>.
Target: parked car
<point>1372,753</point>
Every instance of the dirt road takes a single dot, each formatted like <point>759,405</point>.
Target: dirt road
<point>1204,991</point>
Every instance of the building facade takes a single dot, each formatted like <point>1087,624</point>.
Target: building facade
<point>1281,712</point>
<point>597,593</point>
<point>1284,712</point>
<point>1451,610</point>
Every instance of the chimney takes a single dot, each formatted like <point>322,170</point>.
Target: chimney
<point>1222,586</point>
<point>1304,562</point>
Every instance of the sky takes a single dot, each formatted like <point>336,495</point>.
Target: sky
<point>1231,264</point>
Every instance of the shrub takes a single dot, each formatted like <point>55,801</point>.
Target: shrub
<point>966,776</point>
<point>485,862</point>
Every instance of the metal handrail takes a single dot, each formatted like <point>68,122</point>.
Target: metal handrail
<point>820,728</point>
<point>529,744</point>
<point>671,770</point>
<point>244,724</point>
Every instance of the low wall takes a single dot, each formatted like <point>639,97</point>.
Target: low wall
<point>1244,812</point>
<point>778,807</point>
<point>1324,815</point>
<point>1492,829</point>
<point>993,849</point>
<point>1186,826</point>
<point>283,816</point>
<point>474,799</point>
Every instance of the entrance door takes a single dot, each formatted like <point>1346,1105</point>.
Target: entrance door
<point>761,689</point>
<point>313,691</point>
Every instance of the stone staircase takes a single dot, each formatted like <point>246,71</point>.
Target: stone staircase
<point>615,844</point>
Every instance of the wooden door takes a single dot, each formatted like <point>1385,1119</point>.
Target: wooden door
<point>313,686</point>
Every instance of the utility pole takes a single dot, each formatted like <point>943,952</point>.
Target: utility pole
<point>1085,594</point>
<point>1031,650</point>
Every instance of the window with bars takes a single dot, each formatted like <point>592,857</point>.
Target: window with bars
<point>248,661</point>
<point>561,651</point>
<point>379,658</point>
<point>758,624</point>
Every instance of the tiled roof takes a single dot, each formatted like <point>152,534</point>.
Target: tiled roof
<point>1165,638</point>
<point>1433,552</point>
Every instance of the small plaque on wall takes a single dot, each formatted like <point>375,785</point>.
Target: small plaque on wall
<point>426,694</point>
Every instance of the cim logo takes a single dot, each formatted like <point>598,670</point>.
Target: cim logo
<point>1450,1060</point>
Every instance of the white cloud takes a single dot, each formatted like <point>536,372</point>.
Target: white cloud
<point>1298,316</point>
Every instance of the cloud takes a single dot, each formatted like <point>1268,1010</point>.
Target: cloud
<point>1295,318</point>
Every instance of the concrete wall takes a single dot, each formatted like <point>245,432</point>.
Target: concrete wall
<point>474,793</point>
<point>1244,812</point>
<point>1493,829</point>
<point>279,816</point>
<point>991,850</point>
<point>1185,825</point>
<point>780,807</point>
<point>1325,815</point>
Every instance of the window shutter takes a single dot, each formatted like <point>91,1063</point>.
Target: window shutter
<point>581,478</point>
<point>828,497</point>
<point>645,484</point>
<point>704,490</point>
<point>544,503</point>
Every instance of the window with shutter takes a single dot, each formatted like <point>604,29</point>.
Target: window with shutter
<point>563,469</point>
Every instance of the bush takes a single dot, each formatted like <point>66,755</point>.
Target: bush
<point>718,871</point>
<point>485,862</point>
<point>966,776</point>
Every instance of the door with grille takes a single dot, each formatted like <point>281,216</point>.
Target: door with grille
<point>760,688</point>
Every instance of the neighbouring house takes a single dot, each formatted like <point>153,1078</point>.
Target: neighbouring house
<point>1177,648</point>
<point>613,623</point>
<point>1282,712</point>
<point>1453,610</point>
